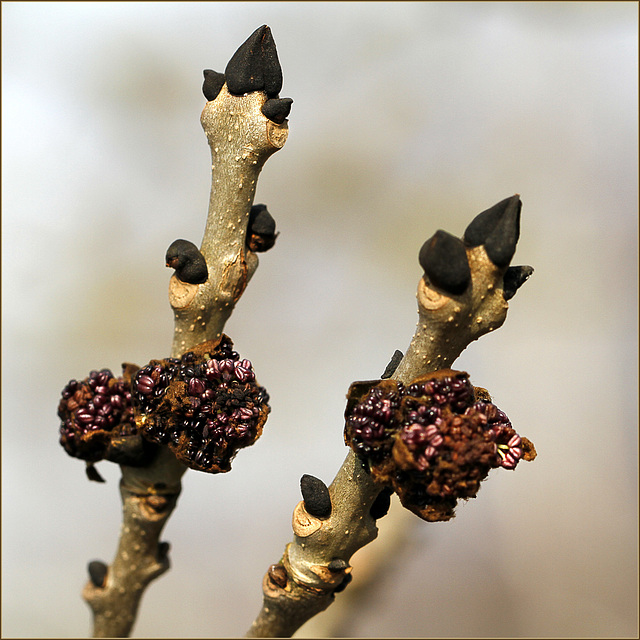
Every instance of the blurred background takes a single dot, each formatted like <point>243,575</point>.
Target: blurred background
<point>407,118</point>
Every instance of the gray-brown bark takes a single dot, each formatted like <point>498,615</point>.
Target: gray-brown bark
<point>447,324</point>
<point>241,138</point>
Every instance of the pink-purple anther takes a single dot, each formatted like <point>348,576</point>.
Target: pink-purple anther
<point>229,369</point>
<point>428,438</point>
<point>510,453</point>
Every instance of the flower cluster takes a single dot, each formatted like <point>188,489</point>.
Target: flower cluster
<point>432,441</point>
<point>204,406</point>
<point>94,412</point>
<point>372,422</point>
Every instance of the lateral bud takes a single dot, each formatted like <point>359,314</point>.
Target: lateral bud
<point>317,501</point>
<point>261,230</point>
<point>381,504</point>
<point>444,260</point>
<point>396,358</point>
<point>277,109</point>
<point>189,263</point>
<point>98,573</point>
<point>213,83</point>
<point>514,278</point>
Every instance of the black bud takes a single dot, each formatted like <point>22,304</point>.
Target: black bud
<point>189,263</point>
<point>213,83</point>
<point>498,229</point>
<point>255,66</point>
<point>381,504</point>
<point>163,550</point>
<point>337,564</point>
<point>277,109</point>
<point>444,260</point>
<point>396,358</point>
<point>92,474</point>
<point>315,494</point>
<point>98,573</point>
<point>514,278</point>
<point>261,230</point>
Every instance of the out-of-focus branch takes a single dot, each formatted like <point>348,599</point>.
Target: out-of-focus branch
<point>203,292</point>
<point>462,295</point>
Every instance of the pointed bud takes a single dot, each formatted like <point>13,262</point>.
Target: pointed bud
<point>396,358</point>
<point>315,494</point>
<point>277,109</point>
<point>255,66</point>
<point>514,278</point>
<point>213,83</point>
<point>444,260</point>
<point>498,229</point>
<point>92,473</point>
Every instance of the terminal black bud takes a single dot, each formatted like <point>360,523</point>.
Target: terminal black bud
<point>444,260</point>
<point>277,109</point>
<point>315,494</point>
<point>189,263</point>
<point>498,229</point>
<point>213,83</point>
<point>255,66</point>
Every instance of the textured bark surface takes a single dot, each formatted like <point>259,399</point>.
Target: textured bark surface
<point>241,138</point>
<point>447,324</point>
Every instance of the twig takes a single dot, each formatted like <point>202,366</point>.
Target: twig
<point>462,296</point>
<point>241,138</point>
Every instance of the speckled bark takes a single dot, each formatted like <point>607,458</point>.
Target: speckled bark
<point>149,495</point>
<point>241,140</point>
<point>446,325</point>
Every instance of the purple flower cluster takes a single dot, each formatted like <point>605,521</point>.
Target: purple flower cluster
<point>93,411</point>
<point>371,424</point>
<point>431,441</point>
<point>507,442</point>
<point>453,390</point>
<point>204,406</point>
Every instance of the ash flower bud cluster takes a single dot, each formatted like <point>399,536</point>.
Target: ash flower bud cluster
<point>432,442</point>
<point>93,411</point>
<point>205,405</point>
<point>509,445</point>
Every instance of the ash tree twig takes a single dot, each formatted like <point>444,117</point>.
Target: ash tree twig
<point>245,122</point>
<point>411,424</point>
<point>421,431</point>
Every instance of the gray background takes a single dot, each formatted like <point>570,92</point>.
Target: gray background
<point>407,117</point>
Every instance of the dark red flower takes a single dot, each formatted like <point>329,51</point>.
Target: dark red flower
<point>433,441</point>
